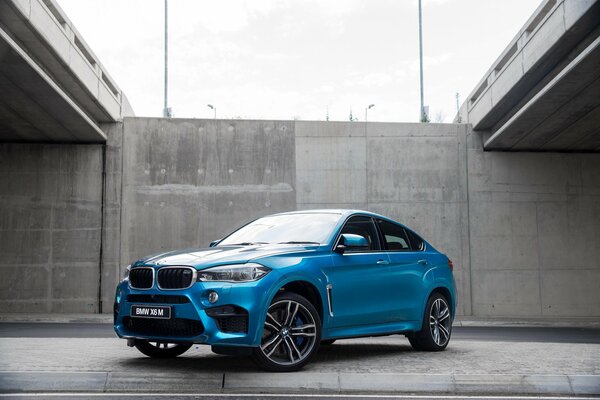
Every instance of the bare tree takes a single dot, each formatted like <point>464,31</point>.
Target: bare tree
<point>440,116</point>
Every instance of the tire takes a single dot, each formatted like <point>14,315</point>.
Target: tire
<point>437,326</point>
<point>291,334</point>
<point>161,349</point>
<point>327,342</point>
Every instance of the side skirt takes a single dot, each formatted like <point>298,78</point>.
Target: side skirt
<point>371,330</point>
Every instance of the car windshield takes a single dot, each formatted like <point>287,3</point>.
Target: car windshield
<point>309,228</point>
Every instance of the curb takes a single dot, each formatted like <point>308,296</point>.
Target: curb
<point>528,323</point>
<point>57,318</point>
<point>299,382</point>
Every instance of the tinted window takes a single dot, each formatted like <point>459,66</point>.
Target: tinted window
<point>309,227</point>
<point>364,227</point>
<point>415,241</point>
<point>394,236</point>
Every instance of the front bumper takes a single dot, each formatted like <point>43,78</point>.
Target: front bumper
<point>189,319</point>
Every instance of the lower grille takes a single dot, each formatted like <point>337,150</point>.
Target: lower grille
<point>233,324</point>
<point>157,299</point>
<point>230,318</point>
<point>177,327</point>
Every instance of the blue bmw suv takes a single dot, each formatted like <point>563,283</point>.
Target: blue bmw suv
<point>281,286</point>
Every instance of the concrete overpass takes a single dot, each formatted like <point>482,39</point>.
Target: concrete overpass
<point>52,86</point>
<point>543,91</point>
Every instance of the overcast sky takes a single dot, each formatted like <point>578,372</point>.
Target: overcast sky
<point>284,59</point>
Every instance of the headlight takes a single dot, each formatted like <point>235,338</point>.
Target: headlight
<point>233,273</point>
<point>126,273</point>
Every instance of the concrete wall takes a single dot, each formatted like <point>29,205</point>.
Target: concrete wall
<point>414,173</point>
<point>189,182</point>
<point>50,224</point>
<point>522,228</point>
<point>534,233</point>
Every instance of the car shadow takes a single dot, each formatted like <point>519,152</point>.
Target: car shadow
<point>202,361</point>
<point>191,361</point>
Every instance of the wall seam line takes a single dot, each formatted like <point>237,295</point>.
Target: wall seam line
<point>469,218</point>
<point>102,209</point>
<point>119,260</point>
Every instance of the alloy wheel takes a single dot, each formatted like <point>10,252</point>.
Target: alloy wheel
<point>439,322</point>
<point>289,333</point>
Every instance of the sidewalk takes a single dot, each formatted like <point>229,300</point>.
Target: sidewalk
<point>459,321</point>
<point>360,366</point>
<point>298,382</point>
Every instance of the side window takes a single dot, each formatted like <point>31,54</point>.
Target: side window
<point>394,236</point>
<point>415,241</point>
<point>364,227</point>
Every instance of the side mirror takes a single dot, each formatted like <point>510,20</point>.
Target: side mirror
<point>214,243</point>
<point>351,242</point>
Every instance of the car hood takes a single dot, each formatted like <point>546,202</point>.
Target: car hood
<point>220,255</point>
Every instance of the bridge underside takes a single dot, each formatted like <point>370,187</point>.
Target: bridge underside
<point>543,91</point>
<point>35,109</point>
<point>563,116</point>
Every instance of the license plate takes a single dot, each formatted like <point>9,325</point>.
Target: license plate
<point>159,312</point>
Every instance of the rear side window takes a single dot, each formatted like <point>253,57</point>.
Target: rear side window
<point>416,242</point>
<point>394,236</point>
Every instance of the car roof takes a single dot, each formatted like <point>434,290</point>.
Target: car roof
<point>340,211</point>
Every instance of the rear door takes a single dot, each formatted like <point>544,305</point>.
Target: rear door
<point>406,273</point>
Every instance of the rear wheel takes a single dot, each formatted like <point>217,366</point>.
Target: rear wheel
<point>291,334</point>
<point>161,349</point>
<point>437,326</point>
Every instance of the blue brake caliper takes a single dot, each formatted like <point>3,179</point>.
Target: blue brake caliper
<point>299,339</point>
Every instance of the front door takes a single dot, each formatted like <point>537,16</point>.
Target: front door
<point>357,292</point>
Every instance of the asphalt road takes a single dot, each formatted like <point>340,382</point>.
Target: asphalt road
<point>497,334</point>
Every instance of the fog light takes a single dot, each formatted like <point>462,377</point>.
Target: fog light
<point>213,297</point>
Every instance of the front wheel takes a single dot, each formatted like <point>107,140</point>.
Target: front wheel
<point>437,326</point>
<point>291,334</point>
<point>161,349</point>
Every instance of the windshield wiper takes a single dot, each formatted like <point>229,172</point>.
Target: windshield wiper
<point>298,242</point>
<point>246,243</point>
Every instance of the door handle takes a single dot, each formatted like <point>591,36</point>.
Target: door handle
<point>422,262</point>
<point>383,262</point>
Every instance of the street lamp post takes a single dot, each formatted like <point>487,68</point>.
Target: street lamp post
<point>366,113</point>
<point>422,117</point>
<point>367,110</point>
<point>166,111</point>
<point>213,108</point>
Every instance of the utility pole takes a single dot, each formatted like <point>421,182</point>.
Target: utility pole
<point>423,117</point>
<point>166,110</point>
